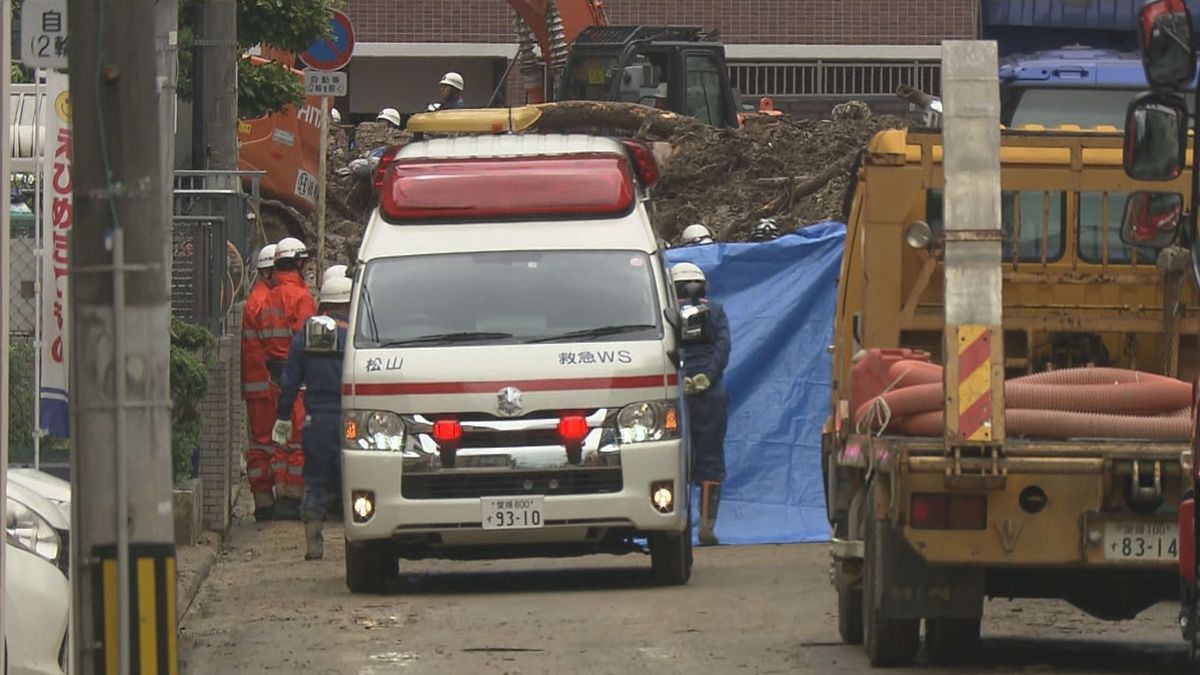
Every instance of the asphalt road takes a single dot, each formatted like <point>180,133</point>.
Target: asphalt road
<point>760,609</point>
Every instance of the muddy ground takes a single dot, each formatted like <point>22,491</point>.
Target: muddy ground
<point>751,609</point>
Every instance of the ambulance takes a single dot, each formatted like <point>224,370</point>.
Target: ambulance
<point>511,381</point>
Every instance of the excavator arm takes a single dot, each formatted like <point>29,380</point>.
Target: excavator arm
<point>551,26</point>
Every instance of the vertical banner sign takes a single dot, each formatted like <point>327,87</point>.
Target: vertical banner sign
<point>57,218</point>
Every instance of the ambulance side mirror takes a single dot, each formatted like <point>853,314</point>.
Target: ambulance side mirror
<point>671,315</point>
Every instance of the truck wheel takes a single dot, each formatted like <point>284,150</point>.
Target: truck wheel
<point>951,642</point>
<point>850,615</point>
<point>889,642</point>
<point>671,557</point>
<point>370,565</point>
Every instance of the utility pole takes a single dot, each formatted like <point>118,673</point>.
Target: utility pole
<point>166,35</point>
<point>217,75</point>
<point>124,578</point>
<point>5,153</point>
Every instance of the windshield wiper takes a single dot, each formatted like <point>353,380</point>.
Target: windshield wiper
<point>446,338</point>
<point>600,331</point>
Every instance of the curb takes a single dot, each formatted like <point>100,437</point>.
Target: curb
<point>189,588</point>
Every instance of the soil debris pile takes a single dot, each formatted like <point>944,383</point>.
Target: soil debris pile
<point>796,171</point>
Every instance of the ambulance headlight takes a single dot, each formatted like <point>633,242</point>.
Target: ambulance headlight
<point>372,430</point>
<point>648,421</point>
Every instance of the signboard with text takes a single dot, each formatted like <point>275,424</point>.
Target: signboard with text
<point>44,33</point>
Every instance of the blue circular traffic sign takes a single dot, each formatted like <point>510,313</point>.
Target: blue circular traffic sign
<point>332,53</point>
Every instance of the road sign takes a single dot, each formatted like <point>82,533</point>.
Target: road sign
<point>44,33</point>
<point>322,83</point>
<point>334,52</point>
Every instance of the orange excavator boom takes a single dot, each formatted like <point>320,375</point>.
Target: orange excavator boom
<point>551,26</point>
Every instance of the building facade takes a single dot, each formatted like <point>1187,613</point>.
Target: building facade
<point>796,51</point>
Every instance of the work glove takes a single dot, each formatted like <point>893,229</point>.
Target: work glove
<point>701,383</point>
<point>689,386</point>
<point>281,432</point>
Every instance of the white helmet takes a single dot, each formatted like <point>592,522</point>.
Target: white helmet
<point>695,234</point>
<point>453,79</point>
<point>266,257</point>
<point>290,248</point>
<point>336,291</point>
<point>389,115</point>
<point>334,272</point>
<point>686,271</point>
<point>335,115</point>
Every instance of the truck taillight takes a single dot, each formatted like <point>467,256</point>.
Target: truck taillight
<point>385,161</point>
<point>643,162</point>
<point>948,512</point>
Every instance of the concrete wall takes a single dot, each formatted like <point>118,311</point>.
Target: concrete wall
<point>409,84</point>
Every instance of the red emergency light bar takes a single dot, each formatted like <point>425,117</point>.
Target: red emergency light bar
<point>577,186</point>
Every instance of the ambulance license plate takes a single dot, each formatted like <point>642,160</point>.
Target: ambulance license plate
<point>1141,540</point>
<point>511,513</point>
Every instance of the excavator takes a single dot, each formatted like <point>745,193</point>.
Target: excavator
<point>568,51</point>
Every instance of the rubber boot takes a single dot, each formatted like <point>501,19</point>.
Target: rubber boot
<point>314,543</point>
<point>710,501</point>
<point>264,506</point>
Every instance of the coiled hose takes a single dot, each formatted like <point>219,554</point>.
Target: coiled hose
<point>1057,405</point>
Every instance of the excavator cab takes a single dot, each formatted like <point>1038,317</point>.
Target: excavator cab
<point>676,68</point>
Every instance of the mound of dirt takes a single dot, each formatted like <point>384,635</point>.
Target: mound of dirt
<point>794,170</point>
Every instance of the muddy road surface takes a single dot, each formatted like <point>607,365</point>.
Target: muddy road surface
<point>760,609</point>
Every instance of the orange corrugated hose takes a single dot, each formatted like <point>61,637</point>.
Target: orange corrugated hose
<point>1071,403</point>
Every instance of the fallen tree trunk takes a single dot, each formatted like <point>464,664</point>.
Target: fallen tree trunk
<point>614,118</point>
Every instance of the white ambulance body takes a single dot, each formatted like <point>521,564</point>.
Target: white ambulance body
<point>510,386</point>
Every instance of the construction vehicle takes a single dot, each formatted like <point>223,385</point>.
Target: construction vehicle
<point>286,145</point>
<point>1156,148</point>
<point>983,493</point>
<point>567,51</point>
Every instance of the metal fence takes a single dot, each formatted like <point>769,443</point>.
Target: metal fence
<point>834,79</point>
<point>209,244</point>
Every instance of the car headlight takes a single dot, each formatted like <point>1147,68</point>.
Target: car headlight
<point>372,430</point>
<point>32,530</point>
<point>648,421</point>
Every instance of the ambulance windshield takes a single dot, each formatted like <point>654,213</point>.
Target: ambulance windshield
<point>508,297</point>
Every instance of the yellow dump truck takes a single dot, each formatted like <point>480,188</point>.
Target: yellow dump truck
<point>926,528</point>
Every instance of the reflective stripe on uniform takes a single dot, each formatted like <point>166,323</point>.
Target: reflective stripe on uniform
<point>262,447</point>
<point>254,473</point>
<point>249,334</point>
<point>255,386</point>
<point>269,333</point>
<point>295,470</point>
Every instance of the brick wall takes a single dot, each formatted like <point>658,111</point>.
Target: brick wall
<point>889,22</point>
<point>220,442</point>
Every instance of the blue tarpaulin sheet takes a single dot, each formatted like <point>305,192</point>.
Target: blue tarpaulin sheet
<point>780,297</point>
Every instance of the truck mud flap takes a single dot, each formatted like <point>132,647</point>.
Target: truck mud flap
<point>913,589</point>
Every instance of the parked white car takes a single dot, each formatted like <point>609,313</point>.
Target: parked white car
<point>38,524</point>
<point>36,602</point>
<point>53,488</point>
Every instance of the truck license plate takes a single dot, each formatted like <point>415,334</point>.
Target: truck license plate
<point>511,513</point>
<point>1134,540</point>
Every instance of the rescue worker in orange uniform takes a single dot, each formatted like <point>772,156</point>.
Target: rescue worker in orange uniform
<point>261,398</point>
<point>291,305</point>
